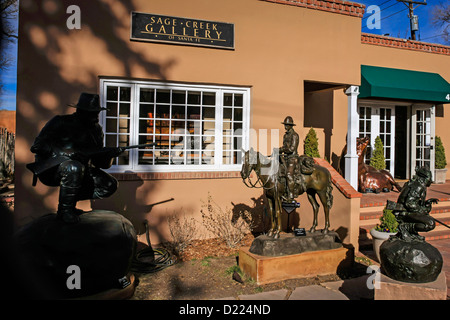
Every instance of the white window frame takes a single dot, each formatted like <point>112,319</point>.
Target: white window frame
<point>431,133</point>
<point>218,165</point>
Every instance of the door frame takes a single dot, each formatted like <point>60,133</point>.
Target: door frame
<point>413,158</point>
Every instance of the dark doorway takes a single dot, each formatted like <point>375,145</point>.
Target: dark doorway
<point>401,141</point>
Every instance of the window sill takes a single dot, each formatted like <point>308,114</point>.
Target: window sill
<point>134,176</point>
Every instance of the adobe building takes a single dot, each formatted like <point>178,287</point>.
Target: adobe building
<point>206,78</point>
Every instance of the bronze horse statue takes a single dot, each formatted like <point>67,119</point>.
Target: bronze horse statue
<point>369,178</point>
<point>267,171</point>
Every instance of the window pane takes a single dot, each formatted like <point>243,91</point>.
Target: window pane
<point>209,98</point>
<point>194,98</point>
<point>209,113</point>
<point>124,125</point>
<point>238,100</point>
<point>192,157</point>
<point>125,94</point>
<point>194,113</point>
<point>112,93</point>
<point>194,127</point>
<point>147,95</point>
<point>227,114</point>
<point>162,111</point>
<point>111,140</point>
<point>124,140</point>
<point>228,99</point>
<point>163,96</point>
<point>145,157</point>
<point>178,127</point>
<point>146,111</point>
<point>124,158</point>
<point>111,125</point>
<point>112,109</point>
<point>144,139</point>
<point>161,157</point>
<point>124,110</point>
<point>178,112</point>
<point>209,128</point>
<point>146,126</point>
<point>162,126</point>
<point>237,114</point>
<point>208,157</point>
<point>179,97</point>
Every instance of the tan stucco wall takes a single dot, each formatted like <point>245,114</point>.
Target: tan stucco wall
<point>277,48</point>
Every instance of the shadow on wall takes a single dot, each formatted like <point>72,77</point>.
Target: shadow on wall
<point>129,201</point>
<point>258,214</point>
<point>56,64</point>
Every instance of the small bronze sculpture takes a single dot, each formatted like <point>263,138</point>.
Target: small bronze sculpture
<point>296,175</point>
<point>70,154</point>
<point>412,210</point>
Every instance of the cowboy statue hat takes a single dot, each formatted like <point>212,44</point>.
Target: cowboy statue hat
<point>289,121</point>
<point>88,102</point>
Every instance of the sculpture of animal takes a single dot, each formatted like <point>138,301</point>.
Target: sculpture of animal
<point>267,171</point>
<point>369,178</point>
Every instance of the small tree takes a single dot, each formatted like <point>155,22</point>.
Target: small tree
<point>311,144</point>
<point>378,161</point>
<point>440,160</point>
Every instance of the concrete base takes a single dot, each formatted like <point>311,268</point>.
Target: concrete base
<point>265,269</point>
<point>395,290</point>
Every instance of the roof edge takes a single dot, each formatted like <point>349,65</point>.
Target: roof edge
<point>398,43</point>
<point>334,6</point>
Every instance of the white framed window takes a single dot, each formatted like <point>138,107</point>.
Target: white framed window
<point>195,127</point>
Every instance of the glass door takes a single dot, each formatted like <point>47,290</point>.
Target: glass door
<point>379,121</point>
<point>422,133</point>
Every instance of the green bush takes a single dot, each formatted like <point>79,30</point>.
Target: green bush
<point>440,161</point>
<point>388,222</point>
<point>378,160</point>
<point>311,144</point>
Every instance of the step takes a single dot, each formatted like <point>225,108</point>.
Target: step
<point>439,232</point>
<point>369,216</point>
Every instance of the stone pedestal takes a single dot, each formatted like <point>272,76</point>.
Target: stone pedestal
<point>410,261</point>
<point>269,269</point>
<point>391,289</point>
<point>90,258</point>
<point>289,244</point>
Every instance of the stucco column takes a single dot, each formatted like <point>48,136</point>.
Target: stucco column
<point>351,158</point>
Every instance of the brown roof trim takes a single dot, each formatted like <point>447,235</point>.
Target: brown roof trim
<point>335,6</point>
<point>398,43</point>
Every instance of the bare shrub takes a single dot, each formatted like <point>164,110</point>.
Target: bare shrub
<point>222,224</point>
<point>183,231</point>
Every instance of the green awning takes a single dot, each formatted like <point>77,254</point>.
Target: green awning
<point>398,84</point>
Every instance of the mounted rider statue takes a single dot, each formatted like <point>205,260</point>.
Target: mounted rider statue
<point>292,164</point>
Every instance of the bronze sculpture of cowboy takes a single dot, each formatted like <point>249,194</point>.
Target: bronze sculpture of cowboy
<point>290,159</point>
<point>69,153</point>
<point>412,210</point>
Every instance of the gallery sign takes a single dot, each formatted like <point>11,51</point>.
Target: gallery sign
<point>168,29</point>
